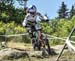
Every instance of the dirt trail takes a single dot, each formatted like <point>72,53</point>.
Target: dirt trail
<point>37,54</point>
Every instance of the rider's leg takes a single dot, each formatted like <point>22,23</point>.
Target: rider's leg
<point>29,30</point>
<point>38,40</point>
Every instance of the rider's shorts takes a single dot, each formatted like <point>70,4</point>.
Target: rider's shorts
<point>38,27</point>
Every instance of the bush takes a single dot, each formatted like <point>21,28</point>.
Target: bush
<point>11,29</point>
<point>59,28</point>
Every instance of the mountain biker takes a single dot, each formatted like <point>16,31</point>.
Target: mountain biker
<point>31,17</point>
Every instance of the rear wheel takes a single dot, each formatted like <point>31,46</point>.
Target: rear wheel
<point>47,45</point>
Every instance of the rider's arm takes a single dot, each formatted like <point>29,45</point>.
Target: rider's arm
<point>24,23</point>
<point>45,18</point>
<point>40,16</point>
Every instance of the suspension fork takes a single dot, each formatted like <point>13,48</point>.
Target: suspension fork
<point>40,40</point>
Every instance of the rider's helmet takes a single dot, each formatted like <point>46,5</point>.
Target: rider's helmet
<point>32,9</point>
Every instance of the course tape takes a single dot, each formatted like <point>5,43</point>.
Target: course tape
<point>14,35</point>
<point>50,36</point>
<point>68,42</point>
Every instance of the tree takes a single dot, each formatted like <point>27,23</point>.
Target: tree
<point>23,3</point>
<point>62,12</point>
<point>7,2</point>
<point>72,12</point>
<point>9,13</point>
<point>6,10</point>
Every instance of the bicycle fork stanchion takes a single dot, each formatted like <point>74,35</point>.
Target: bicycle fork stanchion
<point>65,44</point>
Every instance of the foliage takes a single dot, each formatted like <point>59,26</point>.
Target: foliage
<point>62,12</point>
<point>22,2</point>
<point>72,12</point>
<point>59,28</point>
<point>9,13</point>
<point>11,29</point>
<point>11,19</point>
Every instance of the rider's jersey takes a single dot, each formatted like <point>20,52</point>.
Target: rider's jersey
<point>33,18</point>
<point>30,18</point>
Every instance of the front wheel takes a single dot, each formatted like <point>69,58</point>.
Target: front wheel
<point>36,44</point>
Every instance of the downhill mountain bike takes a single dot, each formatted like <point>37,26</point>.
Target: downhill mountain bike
<point>38,45</point>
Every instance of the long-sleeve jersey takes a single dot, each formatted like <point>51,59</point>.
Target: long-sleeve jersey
<point>34,18</point>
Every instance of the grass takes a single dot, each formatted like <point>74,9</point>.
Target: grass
<point>68,56</point>
<point>19,45</point>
